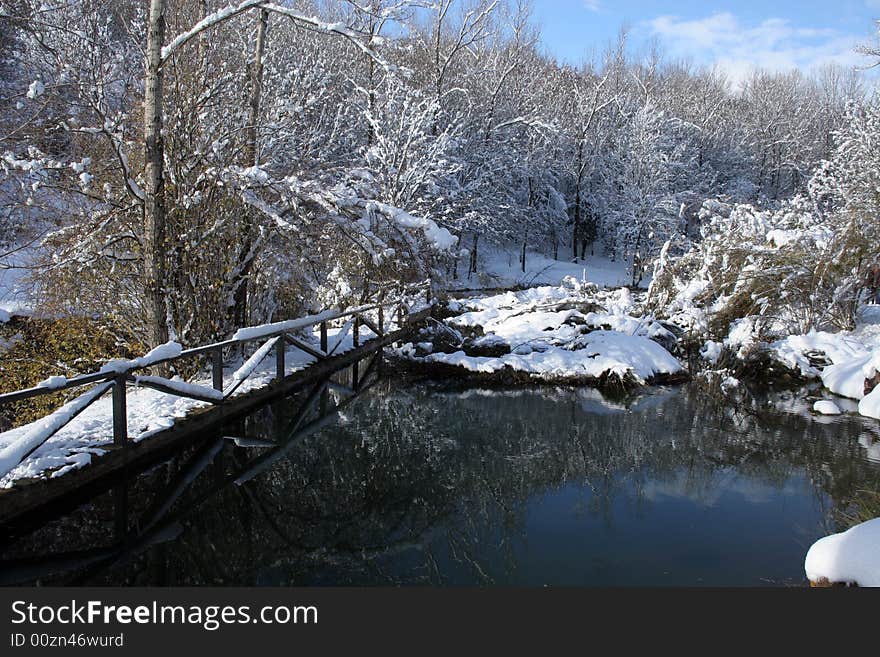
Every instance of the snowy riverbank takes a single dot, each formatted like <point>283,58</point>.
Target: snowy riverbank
<point>846,362</point>
<point>573,333</point>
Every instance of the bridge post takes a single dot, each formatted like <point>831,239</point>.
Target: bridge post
<point>280,348</point>
<point>356,342</point>
<point>120,411</point>
<point>381,321</point>
<point>324,337</point>
<point>217,368</point>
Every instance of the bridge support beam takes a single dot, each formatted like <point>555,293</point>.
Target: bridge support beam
<point>120,412</point>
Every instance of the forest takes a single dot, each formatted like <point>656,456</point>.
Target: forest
<point>180,169</point>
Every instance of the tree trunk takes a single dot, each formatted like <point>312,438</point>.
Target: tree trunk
<point>473,268</point>
<point>252,155</point>
<point>154,193</point>
<point>371,95</point>
<point>251,152</point>
<point>523,257</point>
<point>576,228</point>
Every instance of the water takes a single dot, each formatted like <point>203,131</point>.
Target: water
<point>416,483</point>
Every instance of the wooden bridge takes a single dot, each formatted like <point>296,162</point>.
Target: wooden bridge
<point>220,402</point>
<point>161,512</point>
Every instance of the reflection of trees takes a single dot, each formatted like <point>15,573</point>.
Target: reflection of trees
<point>415,480</point>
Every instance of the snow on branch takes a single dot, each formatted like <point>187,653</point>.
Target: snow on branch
<point>439,238</point>
<point>206,23</point>
<point>360,40</point>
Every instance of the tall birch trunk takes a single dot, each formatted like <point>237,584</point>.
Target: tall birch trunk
<point>252,156</point>
<point>154,194</point>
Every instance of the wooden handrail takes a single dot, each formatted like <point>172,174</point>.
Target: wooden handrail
<point>98,377</point>
<point>117,376</point>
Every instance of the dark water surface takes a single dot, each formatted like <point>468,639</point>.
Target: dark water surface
<point>429,483</point>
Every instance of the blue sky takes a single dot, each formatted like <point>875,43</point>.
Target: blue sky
<point>735,36</point>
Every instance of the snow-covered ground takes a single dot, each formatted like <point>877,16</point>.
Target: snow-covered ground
<point>500,268</point>
<point>149,411</point>
<point>847,359</point>
<point>568,332</point>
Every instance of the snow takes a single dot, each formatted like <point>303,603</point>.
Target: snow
<point>870,405</point>
<point>837,347</point>
<point>53,382</point>
<point>35,90</point>
<point>439,238</point>
<point>711,351</point>
<point>149,412</point>
<point>852,557</point>
<point>182,386</point>
<point>161,353</point>
<point>741,336</point>
<point>826,407</point>
<point>290,326</point>
<point>854,356</point>
<point>729,383</point>
<point>601,352</point>
<point>846,379</point>
<point>500,267</point>
<point>208,21</point>
<point>251,363</point>
<point>37,433</point>
<point>549,342</point>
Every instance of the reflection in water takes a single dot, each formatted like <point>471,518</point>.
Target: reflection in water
<point>425,483</point>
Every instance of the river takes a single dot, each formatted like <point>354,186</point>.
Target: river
<point>420,482</point>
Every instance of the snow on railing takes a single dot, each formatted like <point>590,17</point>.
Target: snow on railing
<point>115,375</point>
<point>15,453</point>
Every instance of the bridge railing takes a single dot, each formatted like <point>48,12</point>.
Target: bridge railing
<point>117,375</point>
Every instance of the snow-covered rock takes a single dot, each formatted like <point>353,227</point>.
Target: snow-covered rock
<point>799,352</point>
<point>555,333</point>
<point>826,407</point>
<point>847,379</point>
<point>852,557</point>
<point>35,90</point>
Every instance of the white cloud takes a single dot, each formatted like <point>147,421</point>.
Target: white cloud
<point>775,44</point>
<point>596,5</point>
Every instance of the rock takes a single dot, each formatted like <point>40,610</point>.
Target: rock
<point>444,338</point>
<point>871,383</point>
<point>826,407</point>
<point>583,307</point>
<point>490,346</point>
